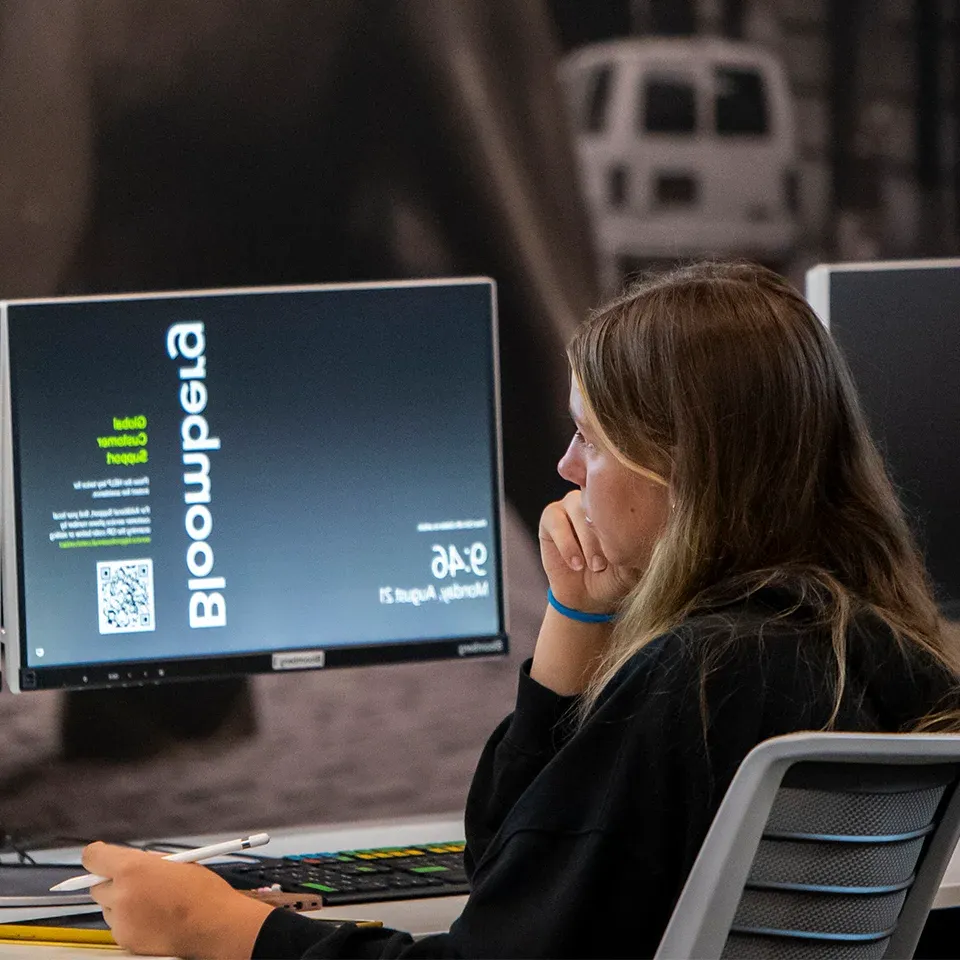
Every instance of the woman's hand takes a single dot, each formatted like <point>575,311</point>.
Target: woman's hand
<point>182,909</point>
<point>581,577</point>
<point>573,560</point>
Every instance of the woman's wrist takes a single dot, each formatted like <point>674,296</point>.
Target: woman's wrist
<point>231,929</point>
<point>574,613</point>
<point>567,652</point>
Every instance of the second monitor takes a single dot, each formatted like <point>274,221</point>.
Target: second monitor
<point>896,323</point>
<point>235,481</point>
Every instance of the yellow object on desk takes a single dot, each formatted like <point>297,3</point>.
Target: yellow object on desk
<point>55,936</point>
<point>88,937</point>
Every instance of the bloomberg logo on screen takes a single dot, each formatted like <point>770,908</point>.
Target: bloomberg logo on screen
<point>208,607</point>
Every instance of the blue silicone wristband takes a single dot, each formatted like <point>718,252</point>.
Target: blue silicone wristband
<point>580,615</point>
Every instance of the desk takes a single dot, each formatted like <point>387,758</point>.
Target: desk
<point>421,916</point>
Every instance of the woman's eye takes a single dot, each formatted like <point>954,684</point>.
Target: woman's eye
<point>579,438</point>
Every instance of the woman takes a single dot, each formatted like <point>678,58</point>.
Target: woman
<point>732,565</point>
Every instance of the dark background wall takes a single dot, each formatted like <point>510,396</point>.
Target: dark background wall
<point>150,144</point>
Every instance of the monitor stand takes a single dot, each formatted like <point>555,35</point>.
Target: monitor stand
<point>139,722</point>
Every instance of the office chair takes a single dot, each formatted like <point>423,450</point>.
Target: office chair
<point>826,845</point>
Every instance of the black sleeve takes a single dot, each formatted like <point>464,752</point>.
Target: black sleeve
<point>593,854</point>
<point>516,752</point>
<point>286,934</point>
<point>589,859</point>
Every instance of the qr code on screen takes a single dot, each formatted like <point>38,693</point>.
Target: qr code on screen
<point>125,596</point>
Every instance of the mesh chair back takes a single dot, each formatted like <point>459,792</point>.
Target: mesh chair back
<point>827,845</point>
<point>837,858</point>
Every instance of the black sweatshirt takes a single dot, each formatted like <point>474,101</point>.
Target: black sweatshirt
<point>579,841</point>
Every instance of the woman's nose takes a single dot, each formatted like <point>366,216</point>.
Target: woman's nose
<point>570,466</point>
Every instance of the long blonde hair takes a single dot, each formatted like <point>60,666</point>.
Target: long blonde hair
<point>720,378</point>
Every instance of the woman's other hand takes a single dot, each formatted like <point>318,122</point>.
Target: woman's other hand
<point>157,907</point>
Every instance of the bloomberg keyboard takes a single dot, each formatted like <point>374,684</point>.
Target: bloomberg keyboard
<point>357,876</point>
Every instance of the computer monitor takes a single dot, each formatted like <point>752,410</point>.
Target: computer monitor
<point>898,323</point>
<point>201,484</point>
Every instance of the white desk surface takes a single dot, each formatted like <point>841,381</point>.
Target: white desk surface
<point>420,917</point>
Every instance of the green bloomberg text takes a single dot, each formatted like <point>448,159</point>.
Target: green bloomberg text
<point>103,542</point>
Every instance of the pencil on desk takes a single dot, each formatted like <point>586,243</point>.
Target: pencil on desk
<point>75,936</point>
<point>60,943</point>
<point>85,937</point>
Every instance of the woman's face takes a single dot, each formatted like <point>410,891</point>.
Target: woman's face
<point>626,509</point>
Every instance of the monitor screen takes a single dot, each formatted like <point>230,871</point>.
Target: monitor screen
<point>212,483</point>
<point>897,324</point>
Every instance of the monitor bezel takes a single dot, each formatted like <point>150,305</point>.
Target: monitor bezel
<point>22,677</point>
<point>817,278</point>
<point>817,283</point>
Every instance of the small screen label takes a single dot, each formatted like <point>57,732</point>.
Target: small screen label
<point>302,660</point>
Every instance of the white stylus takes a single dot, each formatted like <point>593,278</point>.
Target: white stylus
<point>185,856</point>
